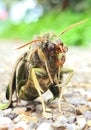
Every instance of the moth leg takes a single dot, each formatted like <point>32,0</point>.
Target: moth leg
<point>38,88</point>
<point>63,85</point>
<point>44,60</point>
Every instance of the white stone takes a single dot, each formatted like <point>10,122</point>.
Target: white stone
<point>81,122</point>
<point>60,122</point>
<point>1,113</point>
<point>22,124</point>
<point>7,111</point>
<point>17,119</point>
<point>62,119</point>
<point>71,126</point>
<point>7,122</point>
<point>45,126</point>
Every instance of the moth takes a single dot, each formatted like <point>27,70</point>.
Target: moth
<point>39,69</point>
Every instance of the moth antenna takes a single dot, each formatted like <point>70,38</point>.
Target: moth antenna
<point>73,25</point>
<point>36,40</point>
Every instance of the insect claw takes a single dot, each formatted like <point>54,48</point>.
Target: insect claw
<point>47,115</point>
<point>59,106</point>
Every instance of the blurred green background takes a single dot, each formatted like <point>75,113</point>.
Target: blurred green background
<point>41,16</point>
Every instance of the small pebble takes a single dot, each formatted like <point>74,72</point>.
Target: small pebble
<point>22,125</point>
<point>25,118</point>
<point>7,122</point>
<point>57,124</point>
<point>68,108</point>
<point>3,127</point>
<point>70,126</point>
<point>81,121</point>
<point>81,109</point>
<point>71,119</point>
<point>88,94</point>
<point>11,115</point>
<point>89,123</point>
<point>32,107</point>
<point>33,125</point>
<point>19,110</point>
<point>89,128</point>
<point>17,119</point>
<point>87,115</point>
<point>39,108</point>
<point>1,113</point>
<point>89,104</point>
<point>77,101</point>
<point>62,119</point>
<point>19,128</point>
<point>9,110</point>
<point>60,122</point>
<point>45,126</point>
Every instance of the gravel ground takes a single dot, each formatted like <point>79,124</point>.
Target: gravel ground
<point>76,112</point>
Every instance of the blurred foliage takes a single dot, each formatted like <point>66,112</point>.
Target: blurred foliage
<point>54,21</point>
<point>8,3</point>
<point>75,5</point>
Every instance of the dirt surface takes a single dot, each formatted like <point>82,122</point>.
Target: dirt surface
<point>78,59</point>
